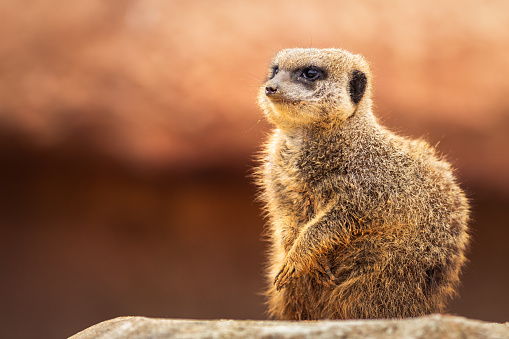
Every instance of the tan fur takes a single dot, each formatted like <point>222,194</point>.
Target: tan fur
<point>363,223</point>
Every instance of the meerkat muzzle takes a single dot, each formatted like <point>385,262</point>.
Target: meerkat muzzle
<point>271,90</point>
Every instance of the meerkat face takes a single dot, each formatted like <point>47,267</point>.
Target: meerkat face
<point>310,86</point>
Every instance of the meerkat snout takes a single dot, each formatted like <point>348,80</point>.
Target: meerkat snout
<point>271,89</point>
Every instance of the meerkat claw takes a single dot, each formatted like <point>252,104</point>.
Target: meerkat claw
<point>283,277</point>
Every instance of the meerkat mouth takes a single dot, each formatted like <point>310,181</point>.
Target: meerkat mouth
<point>286,101</point>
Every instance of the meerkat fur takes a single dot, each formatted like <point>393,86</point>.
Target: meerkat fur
<point>362,223</point>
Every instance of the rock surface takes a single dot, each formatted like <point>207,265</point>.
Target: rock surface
<point>429,327</point>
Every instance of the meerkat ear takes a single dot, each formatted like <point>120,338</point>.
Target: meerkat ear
<point>357,86</point>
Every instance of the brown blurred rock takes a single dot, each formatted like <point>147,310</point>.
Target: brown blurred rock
<point>431,327</point>
<point>162,84</point>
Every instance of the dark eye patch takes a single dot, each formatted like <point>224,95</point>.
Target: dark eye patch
<point>275,70</point>
<point>312,73</point>
<point>357,86</point>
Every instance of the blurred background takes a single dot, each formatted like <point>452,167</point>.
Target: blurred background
<point>128,130</point>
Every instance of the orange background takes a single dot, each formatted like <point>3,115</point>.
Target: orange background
<point>128,130</point>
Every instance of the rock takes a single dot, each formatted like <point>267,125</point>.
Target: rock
<point>429,327</point>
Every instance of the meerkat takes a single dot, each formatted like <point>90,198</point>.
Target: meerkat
<point>363,223</point>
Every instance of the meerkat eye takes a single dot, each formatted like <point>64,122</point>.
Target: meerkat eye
<point>275,70</point>
<point>312,73</point>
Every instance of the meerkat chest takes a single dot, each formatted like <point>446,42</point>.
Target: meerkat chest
<point>296,183</point>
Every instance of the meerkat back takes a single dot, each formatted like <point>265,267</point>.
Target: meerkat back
<point>363,223</point>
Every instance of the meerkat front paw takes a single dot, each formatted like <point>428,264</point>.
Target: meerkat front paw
<point>288,271</point>
<point>320,271</point>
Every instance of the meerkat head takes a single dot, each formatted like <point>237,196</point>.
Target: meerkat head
<point>312,86</point>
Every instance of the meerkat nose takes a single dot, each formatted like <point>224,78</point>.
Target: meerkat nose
<point>270,90</point>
